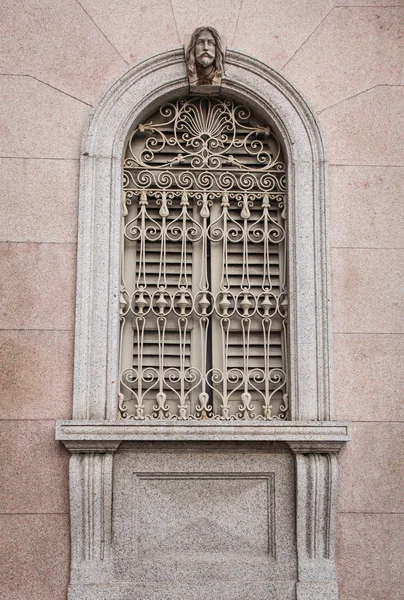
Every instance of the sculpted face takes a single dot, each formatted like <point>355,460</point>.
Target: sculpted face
<point>205,49</point>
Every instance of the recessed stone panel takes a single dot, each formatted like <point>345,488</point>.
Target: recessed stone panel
<point>205,514</point>
<point>195,514</point>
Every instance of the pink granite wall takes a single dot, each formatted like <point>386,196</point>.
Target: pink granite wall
<point>56,58</point>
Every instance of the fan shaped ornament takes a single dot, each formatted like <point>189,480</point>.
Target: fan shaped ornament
<point>204,57</point>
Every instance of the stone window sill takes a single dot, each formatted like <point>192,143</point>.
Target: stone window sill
<point>325,435</point>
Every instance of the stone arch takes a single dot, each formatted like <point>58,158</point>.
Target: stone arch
<point>141,89</point>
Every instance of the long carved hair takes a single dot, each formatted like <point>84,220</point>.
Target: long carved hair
<point>219,55</point>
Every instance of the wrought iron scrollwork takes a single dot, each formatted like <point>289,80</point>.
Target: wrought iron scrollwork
<point>204,287</point>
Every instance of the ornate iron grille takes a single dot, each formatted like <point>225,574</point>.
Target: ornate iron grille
<point>203,300</point>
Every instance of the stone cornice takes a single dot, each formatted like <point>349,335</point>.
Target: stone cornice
<point>316,446</point>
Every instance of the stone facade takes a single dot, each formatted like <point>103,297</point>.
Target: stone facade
<point>57,60</point>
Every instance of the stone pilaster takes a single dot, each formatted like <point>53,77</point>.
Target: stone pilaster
<point>91,510</point>
<point>316,505</point>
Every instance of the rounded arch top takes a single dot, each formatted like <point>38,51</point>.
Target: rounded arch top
<point>151,82</point>
<point>139,91</point>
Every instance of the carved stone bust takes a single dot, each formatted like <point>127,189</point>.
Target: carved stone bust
<point>204,58</point>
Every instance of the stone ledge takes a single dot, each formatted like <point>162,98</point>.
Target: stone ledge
<point>326,435</point>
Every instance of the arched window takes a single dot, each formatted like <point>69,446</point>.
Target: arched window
<point>204,266</point>
<point>222,288</point>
